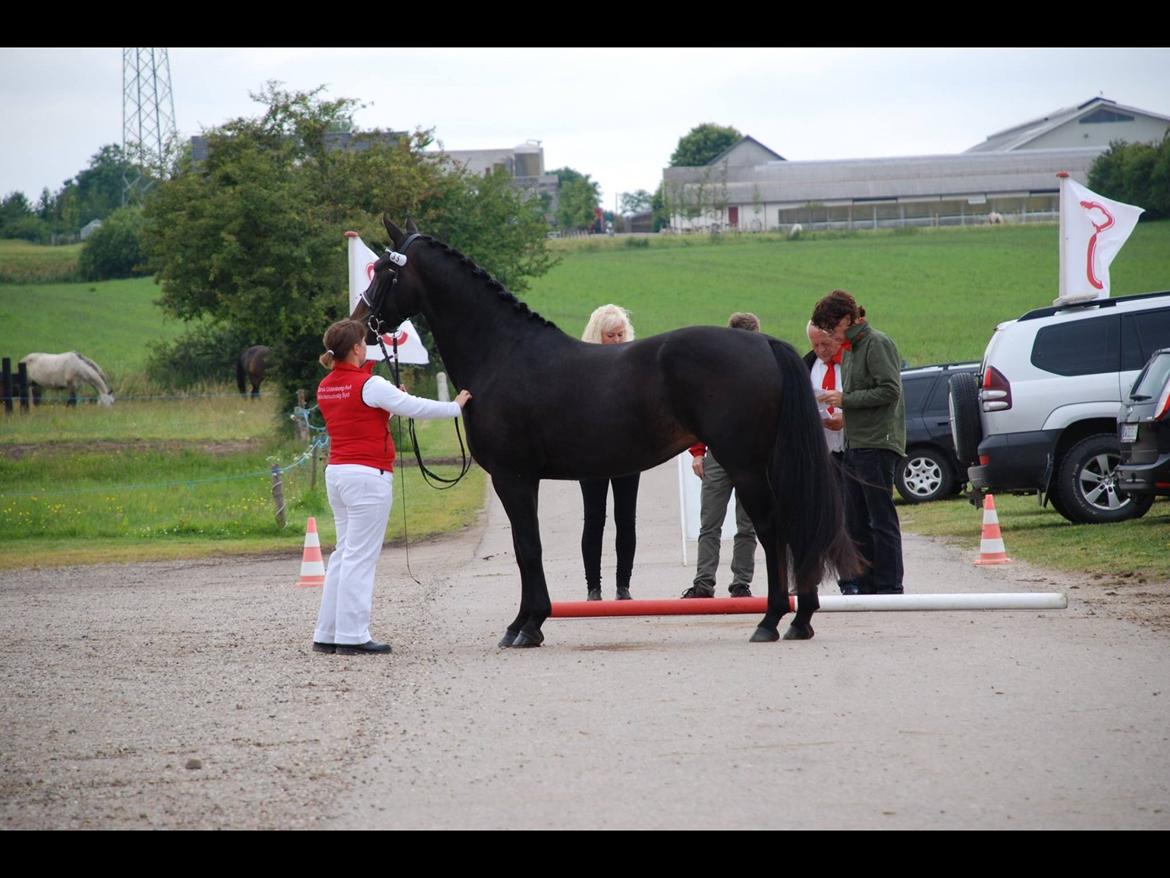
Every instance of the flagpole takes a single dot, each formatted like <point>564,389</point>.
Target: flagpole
<point>1061,286</point>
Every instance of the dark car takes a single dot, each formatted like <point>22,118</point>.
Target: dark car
<point>930,470</point>
<point>1143,427</point>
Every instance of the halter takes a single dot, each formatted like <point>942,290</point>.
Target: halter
<point>374,320</point>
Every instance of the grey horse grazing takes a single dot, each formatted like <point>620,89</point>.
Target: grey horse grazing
<point>69,370</point>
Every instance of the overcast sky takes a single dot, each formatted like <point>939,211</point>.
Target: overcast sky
<point>615,114</point>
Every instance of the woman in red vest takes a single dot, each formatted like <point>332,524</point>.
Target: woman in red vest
<point>357,406</point>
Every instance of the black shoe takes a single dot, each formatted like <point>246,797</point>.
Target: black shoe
<point>699,591</point>
<point>594,594</point>
<point>370,646</point>
<point>623,594</point>
<point>850,588</point>
<point>740,591</point>
<point>895,590</point>
<point>324,647</point>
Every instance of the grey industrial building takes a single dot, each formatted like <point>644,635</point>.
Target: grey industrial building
<point>1010,176</point>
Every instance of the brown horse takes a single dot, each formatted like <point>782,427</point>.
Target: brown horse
<point>251,366</point>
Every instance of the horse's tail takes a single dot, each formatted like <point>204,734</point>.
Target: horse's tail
<point>242,373</point>
<point>806,487</point>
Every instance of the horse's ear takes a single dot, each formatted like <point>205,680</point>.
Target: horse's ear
<point>396,234</point>
<point>411,227</point>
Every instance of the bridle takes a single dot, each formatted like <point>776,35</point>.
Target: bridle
<point>374,319</point>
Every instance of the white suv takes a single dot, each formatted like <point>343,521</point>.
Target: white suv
<point>1042,413</point>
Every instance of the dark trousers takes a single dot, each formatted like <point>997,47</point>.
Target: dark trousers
<point>872,519</point>
<point>625,508</point>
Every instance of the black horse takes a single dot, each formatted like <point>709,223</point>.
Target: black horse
<point>538,414</point>
<point>251,367</point>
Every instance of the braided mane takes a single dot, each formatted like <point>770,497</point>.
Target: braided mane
<point>470,267</point>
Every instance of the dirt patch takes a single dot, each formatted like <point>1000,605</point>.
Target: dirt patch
<point>220,448</point>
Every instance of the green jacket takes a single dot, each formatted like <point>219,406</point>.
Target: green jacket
<point>875,414</point>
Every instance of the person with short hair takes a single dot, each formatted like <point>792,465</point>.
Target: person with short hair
<point>609,324</point>
<point>713,499</point>
<point>875,438</point>
<point>359,479</point>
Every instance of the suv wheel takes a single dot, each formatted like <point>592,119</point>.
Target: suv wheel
<point>924,475</point>
<point>1086,484</point>
<point>966,427</point>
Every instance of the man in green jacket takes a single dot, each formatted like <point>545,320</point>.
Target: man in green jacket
<point>875,439</point>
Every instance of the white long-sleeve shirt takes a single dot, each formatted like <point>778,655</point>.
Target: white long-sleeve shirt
<point>380,393</point>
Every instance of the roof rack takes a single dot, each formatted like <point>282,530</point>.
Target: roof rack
<point>1092,303</point>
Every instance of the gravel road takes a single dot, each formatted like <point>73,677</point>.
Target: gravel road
<point>185,695</point>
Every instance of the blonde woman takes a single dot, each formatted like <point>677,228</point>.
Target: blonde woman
<point>609,324</point>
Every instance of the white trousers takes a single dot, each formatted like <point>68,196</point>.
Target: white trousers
<point>360,497</point>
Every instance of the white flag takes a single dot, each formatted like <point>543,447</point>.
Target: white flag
<point>690,499</point>
<point>361,272</point>
<point>1092,230</point>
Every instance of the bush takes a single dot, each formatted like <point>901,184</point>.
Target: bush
<point>204,354</point>
<point>115,250</point>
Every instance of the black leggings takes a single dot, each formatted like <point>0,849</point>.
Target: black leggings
<point>625,508</point>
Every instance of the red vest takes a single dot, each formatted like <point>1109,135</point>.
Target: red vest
<point>358,433</point>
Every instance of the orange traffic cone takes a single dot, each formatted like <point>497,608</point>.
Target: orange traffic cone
<point>991,548</point>
<point>312,565</point>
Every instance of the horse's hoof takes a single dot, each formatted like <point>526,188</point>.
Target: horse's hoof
<point>525,641</point>
<point>799,632</point>
<point>765,635</point>
<point>507,640</point>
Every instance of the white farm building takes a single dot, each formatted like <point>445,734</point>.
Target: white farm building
<point>1012,173</point>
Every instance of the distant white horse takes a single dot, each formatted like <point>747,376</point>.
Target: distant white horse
<point>68,370</point>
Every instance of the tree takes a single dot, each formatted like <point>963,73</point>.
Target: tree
<point>703,143</point>
<point>251,238</point>
<point>635,202</point>
<point>1136,173</point>
<point>17,219</point>
<point>578,196</point>
<point>114,250</point>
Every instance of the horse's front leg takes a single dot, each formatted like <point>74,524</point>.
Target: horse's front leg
<point>519,498</point>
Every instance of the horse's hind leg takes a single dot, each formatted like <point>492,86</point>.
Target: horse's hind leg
<point>753,492</point>
<point>807,603</point>
<point>519,498</point>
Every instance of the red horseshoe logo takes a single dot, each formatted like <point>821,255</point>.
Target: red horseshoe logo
<point>401,339</point>
<point>370,270</point>
<point>1090,205</point>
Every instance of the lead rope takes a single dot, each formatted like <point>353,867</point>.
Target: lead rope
<point>374,325</point>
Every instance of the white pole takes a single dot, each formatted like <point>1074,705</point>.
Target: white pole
<point>839,603</point>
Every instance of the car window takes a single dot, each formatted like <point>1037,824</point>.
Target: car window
<point>1150,382</point>
<point>938,400</point>
<point>1082,347</point>
<point>915,391</point>
<point>1153,328</point>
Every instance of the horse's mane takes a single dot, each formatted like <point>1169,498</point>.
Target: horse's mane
<point>470,267</point>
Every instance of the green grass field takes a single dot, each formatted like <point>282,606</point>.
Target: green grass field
<point>111,322</point>
<point>22,262</point>
<point>172,479</point>
<point>937,292</point>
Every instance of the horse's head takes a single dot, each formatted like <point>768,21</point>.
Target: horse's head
<point>393,294</point>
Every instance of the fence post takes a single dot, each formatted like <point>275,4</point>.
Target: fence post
<point>22,386</point>
<point>278,494</point>
<point>302,421</point>
<point>6,384</point>
<point>444,393</point>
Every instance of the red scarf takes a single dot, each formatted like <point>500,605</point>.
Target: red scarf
<point>829,382</point>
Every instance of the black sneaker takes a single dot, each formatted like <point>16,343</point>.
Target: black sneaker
<point>594,594</point>
<point>623,594</point>
<point>699,591</point>
<point>370,647</point>
<point>740,591</point>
